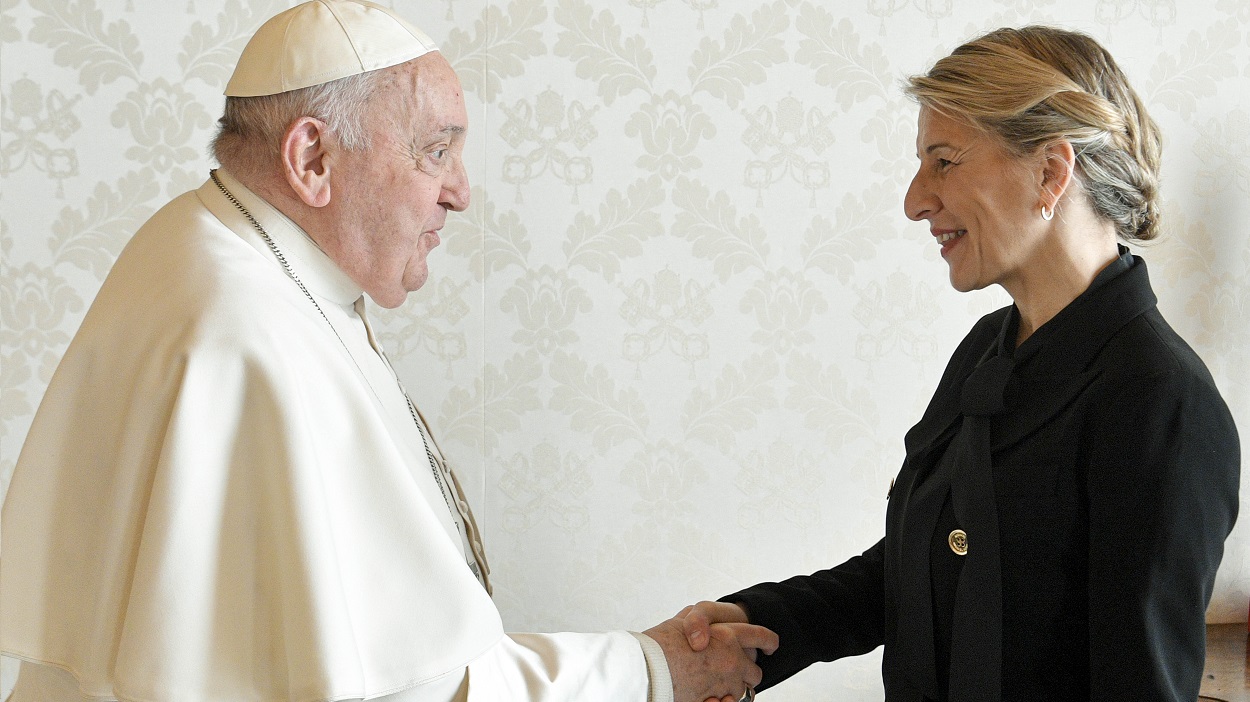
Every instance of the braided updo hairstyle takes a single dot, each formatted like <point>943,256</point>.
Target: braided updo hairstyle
<point>1034,85</point>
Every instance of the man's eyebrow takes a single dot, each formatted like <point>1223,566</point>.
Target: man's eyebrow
<point>428,138</point>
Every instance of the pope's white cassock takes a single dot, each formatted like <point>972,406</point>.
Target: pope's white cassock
<point>225,496</point>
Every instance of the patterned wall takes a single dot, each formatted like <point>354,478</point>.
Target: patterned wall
<point>676,341</point>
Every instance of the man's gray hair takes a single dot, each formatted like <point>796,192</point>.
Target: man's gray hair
<point>250,131</point>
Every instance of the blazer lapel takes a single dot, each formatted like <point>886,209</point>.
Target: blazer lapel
<point>1057,364</point>
<point>1035,403</point>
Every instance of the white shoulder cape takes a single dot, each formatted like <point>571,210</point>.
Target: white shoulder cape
<point>209,506</point>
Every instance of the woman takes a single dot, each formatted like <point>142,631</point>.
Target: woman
<point>1055,530</point>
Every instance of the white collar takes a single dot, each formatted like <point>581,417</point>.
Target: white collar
<point>315,269</point>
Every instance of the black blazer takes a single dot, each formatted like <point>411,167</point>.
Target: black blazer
<point>1115,474</point>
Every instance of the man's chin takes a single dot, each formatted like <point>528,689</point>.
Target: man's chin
<point>390,299</point>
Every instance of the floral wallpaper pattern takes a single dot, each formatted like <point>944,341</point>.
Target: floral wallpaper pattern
<point>674,344</point>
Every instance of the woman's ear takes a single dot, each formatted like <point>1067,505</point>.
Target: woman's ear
<point>1058,166</point>
<point>304,162</point>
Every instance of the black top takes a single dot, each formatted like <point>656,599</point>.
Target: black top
<point>1105,471</point>
<point>944,580</point>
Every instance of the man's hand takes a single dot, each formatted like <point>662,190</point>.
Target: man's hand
<point>697,621</point>
<point>724,664</point>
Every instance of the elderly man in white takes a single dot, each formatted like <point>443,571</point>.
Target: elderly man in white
<point>226,494</point>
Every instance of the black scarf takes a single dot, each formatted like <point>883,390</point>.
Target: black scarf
<point>1028,385</point>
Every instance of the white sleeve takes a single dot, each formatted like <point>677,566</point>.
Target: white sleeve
<point>569,667</point>
<point>531,667</point>
<point>657,668</point>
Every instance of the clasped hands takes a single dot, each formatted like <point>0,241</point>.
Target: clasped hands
<point>711,651</point>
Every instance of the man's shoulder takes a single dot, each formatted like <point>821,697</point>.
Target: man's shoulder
<point>186,282</point>
<point>184,245</point>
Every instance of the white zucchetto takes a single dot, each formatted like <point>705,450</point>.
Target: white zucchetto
<point>324,40</point>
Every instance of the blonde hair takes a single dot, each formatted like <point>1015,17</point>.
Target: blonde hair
<point>1034,85</point>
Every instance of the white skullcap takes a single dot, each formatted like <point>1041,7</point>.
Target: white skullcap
<point>324,40</point>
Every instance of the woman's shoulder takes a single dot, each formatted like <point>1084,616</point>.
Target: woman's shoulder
<point>1148,347</point>
<point>1149,367</point>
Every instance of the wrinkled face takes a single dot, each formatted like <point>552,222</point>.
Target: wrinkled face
<point>391,200</point>
<point>982,204</point>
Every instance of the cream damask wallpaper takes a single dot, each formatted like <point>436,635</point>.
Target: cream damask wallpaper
<point>675,343</point>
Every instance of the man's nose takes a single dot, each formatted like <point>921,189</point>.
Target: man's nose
<point>456,190</point>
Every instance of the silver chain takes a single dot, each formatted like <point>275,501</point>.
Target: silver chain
<point>412,410</point>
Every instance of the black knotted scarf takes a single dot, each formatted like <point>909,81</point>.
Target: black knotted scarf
<point>976,640</point>
<point>1005,396</point>
<point>964,473</point>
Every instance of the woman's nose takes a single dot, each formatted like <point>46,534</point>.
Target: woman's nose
<point>919,202</point>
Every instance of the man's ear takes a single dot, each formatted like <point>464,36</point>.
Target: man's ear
<point>304,162</point>
<point>1058,167</point>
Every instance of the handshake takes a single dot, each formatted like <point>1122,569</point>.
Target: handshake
<point>711,651</point>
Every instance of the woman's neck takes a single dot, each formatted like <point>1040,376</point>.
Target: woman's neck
<point>1059,275</point>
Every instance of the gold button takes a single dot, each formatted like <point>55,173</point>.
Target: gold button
<point>958,541</point>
